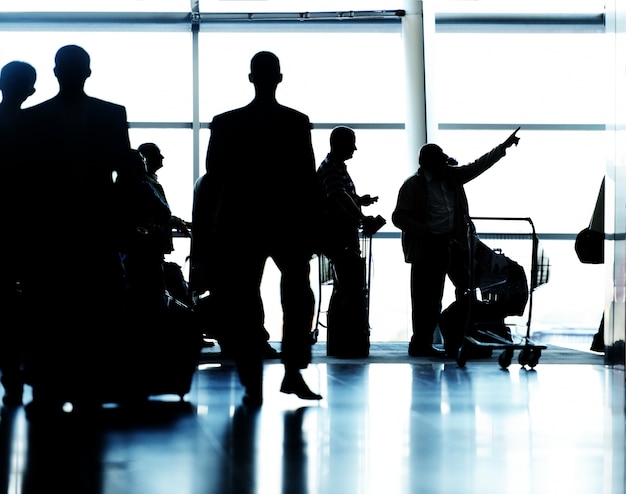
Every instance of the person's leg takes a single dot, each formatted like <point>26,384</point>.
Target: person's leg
<point>298,304</point>
<point>427,286</point>
<point>240,305</point>
<point>11,341</point>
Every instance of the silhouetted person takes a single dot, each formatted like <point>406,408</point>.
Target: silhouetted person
<point>348,326</point>
<point>74,277</point>
<point>432,212</point>
<point>175,282</point>
<point>154,162</point>
<point>143,214</point>
<point>258,201</point>
<point>17,83</point>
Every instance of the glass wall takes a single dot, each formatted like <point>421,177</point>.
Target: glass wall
<point>485,75</point>
<point>488,74</point>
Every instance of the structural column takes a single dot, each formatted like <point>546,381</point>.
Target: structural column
<point>413,36</point>
<point>615,195</point>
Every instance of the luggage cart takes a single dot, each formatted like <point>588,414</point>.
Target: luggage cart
<point>493,285</point>
<point>325,280</point>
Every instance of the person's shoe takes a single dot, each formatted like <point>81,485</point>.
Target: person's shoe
<point>430,351</point>
<point>294,384</point>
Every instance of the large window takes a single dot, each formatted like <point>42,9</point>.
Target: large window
<point>549,74</point>
<point>487,70</point>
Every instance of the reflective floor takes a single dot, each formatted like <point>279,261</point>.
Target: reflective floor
<point>425,426</point>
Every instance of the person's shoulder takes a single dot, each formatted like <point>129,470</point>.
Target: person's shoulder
<point>329,162</point>
<point>229,117</point>
<point>416,177</point>
<point>413,180</point>
<point>293,113</point>
<point>41,113</point>
<point>40,106</point>
<point>229,114</point>
<point>105,104</point>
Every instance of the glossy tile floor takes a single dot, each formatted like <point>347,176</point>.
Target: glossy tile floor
<point>416,426</point>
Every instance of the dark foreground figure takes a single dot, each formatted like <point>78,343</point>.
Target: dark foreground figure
<point>257,201</point>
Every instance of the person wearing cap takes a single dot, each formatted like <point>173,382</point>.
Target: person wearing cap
<point>431,211</point>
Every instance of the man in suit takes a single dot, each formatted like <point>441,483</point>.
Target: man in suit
<point>258,199</point>
<point>74,279</point>
<point>17,83</point>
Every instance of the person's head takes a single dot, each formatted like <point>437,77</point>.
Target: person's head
<point>72,67</point>
<point>265,70</point>
<point>432,158</point>
<point>152,155</point>
<point>342,143</point>
<point>17,82</point>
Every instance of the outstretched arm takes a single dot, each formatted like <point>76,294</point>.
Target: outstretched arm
<point>469,172</point>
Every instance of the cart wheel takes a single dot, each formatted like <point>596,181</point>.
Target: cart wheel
<point>461,357</point>
<point>505,358</point>
<point>524,356</point>
<point>533,360</point>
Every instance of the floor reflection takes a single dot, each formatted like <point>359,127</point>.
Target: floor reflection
<point>423,427</point>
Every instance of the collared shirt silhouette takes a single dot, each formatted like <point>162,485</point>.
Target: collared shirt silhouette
<point>257,201</point>
<point>348,325</point>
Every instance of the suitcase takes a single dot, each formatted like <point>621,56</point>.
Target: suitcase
<point>173,351</point>
<point>348,332</point>
<point>458,316</point>
<point>347,335</point>
<point>125,364</point>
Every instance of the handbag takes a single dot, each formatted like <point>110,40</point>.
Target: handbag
<point>589,244</point>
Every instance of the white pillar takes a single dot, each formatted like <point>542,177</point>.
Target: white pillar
<point>615,194</point>
<point>413,36</point>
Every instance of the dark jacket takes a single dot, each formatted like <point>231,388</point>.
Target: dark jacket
<point>260,181</point>
<point>410,214</point>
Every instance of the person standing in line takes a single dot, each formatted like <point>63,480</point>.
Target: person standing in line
<point>154,162</point>
<point>432,211</point>
<point>348,325</point>
<point>176,285</point>
<point>17,83</point>
<point>74,278</point>
<point>259,198</point>
<point>143,214</point>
